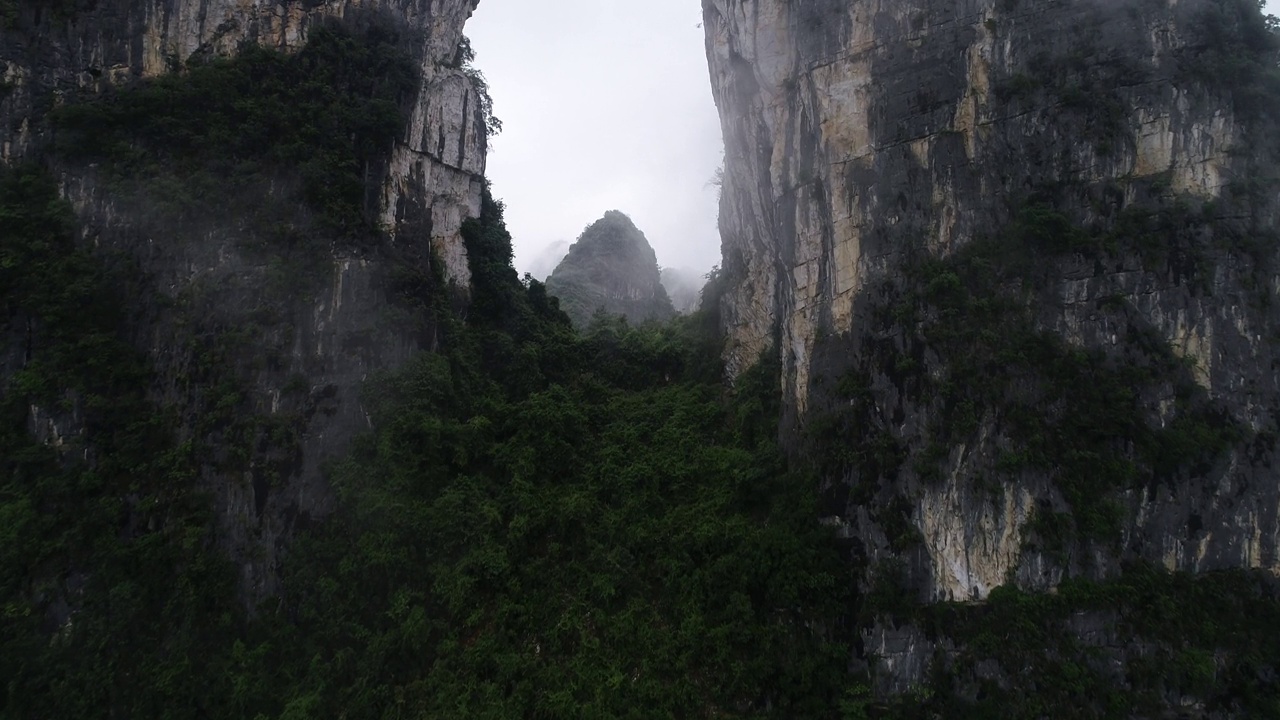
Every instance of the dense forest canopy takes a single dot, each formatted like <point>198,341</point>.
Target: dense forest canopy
<point>543,522</point>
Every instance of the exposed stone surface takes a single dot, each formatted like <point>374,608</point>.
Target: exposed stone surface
<point>433,180</point>
<point>299,341</point>
<point>612,268</point>
<point>854,127</point>
<point>861,133</point>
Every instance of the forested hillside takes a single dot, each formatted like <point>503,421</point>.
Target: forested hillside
<point>520,518</point>
<point>544,524</point>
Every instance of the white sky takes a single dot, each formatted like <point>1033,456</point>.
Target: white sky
<point>606,105</point>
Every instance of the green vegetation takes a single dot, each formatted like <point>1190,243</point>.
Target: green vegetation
<point>960,338</point>
<point>114,599</point>
<point>58,10</point>
<point>1230,53</point>
<point>1235,50</point>
<point>324,118</point>
<point>464,59</point>
<point>611,269</point>
<point>974,354</point>
<point>970,342</point>
<point>555,524</point>
<point>109,586</point>
<point>544,524</point>
<point>1084,86</point>
<point>1129,647</point>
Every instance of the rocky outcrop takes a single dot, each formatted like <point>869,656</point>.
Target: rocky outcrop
<point>433,180</point>
<point>262,348</point>
<point>855,128</point>
<point>882,161</point>
<point>611,268</point>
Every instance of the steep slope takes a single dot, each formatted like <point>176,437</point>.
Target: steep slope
<point>860,130</point>
<point>428,183</point>
<point>273,183</point>
<point>1018,262</point>
<point>612,268</point>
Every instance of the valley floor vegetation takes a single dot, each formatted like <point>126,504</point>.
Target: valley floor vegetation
<point>543,523</point>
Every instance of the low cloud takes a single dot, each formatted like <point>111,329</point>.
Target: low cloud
<point>605,104</point>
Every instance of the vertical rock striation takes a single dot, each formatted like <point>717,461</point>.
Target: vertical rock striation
<point>218,305</point>
<point>875,152</point>
<point>854,127</point>
<point>433,179</point>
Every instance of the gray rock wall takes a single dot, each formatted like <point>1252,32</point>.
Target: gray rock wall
<point>861,134</point>
<point>433,181</point>
<point>855,127</point>
<point>295,338</point>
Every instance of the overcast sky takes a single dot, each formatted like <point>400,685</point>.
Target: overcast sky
<point>605,105</point>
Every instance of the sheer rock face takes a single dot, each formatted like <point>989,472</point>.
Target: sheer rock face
<point>855,126</point>
<point>298,347</point>
<point>612,268</point>
<point>433,180</point>
<point>858,131</point>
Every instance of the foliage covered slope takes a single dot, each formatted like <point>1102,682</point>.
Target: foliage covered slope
<point>556,525</point>
<point>542,524</point>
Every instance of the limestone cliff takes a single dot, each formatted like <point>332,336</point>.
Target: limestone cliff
<point>432,181</point>
<point>612,268</point>
<point>261,318</point>
<point>1018,261</point>
<point>853,126</point>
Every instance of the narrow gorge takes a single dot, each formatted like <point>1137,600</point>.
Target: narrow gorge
<point>977,417</point>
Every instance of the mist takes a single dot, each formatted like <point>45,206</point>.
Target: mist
<point>605,104</point>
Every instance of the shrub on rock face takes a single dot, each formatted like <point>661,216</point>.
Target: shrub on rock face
<point>323,116</point>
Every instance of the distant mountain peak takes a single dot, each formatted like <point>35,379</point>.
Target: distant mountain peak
<point>613,268</point>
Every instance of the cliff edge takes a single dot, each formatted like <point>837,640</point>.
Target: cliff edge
<point>277,190</point>
<point>1017,260</point>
